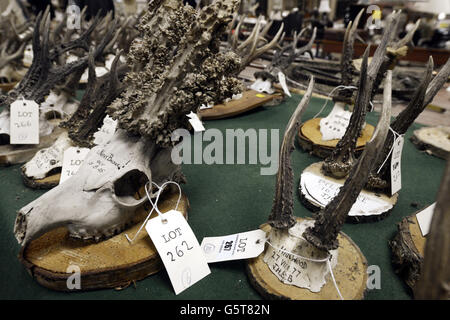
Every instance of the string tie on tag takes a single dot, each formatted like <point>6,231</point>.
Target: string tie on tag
<point>326,259</point>
<point>396,136</point>
<point>155,204</point>
<point>341,87</point>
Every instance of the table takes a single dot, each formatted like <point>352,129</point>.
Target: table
<point>227,199</point>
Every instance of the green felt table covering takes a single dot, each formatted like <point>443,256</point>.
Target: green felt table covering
<point>227,199</point>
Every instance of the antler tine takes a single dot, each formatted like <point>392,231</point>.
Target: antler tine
<point>259,51</point>
<point>407,39</point>
<point>6,59</point>
<point>380,61</point>
<point>347,50</point>
<point>81,42</point>
<point>379,178</point>
<point>330,220</point>
<point>114,79</point>
<point>417,103</point>
<point>266,29</point>
<point>282,216</point>
<point>110,46</point>
<point>45,16</point>
<point>235,37</point>
<point>230,27</point>
<point>437,83</point>
<point>308,46</point>
<point>251,37</point>
<point>341,160</point>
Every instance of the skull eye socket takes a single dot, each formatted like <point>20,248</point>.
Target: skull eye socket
<point>130,186</point>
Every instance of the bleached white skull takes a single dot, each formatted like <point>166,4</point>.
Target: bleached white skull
<point>50,159</point>
<point>47,159</point>
<point>58,106</point>
<point>99,200</point>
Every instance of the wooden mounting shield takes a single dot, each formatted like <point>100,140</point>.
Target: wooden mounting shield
<point>315,168</point>
<point>408,248</point>
<point>350,274</point>
<point>310,139</point>
<point>112,263</point>
<point>14,154</point>
<point>250,100</point>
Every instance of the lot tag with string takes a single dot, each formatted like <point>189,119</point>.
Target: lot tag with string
<point>244,245</point>
<point>178,248</point>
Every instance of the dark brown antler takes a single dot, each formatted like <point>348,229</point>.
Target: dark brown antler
<point>339,163</point>
<point>6,58</point>
<point>282,62</point>
<point>380,177</point>
<point>43,75</point>
<point>434,281</point>
<point>99,94</point>
<point>330,220</point>
<point>347,69</point>
<point>282,215</point>
<point>396,49</point>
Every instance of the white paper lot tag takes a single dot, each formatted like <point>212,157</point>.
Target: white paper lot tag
<point>335,125</point>
<point>282,80</point>
<point>321,191</point>
<point>396,171</point>
<point>244,245</point>
<point>179,249</point>
<point>195,122</point>
<point>424,219</point>
<point>72,161</point>
<point>106,132</point>
<point>24,122</point>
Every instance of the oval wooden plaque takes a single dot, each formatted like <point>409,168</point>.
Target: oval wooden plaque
<point>113,263</point>
<point>250,100</point>
<point>350,273</point>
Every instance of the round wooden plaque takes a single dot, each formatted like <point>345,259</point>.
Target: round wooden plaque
<point>310,139</point>
<point>350,273</point>
<point>113,263</point>
<point>315,169</point>
<point>408,248</point>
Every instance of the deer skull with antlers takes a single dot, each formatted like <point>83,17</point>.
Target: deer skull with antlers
<point>175,69</point>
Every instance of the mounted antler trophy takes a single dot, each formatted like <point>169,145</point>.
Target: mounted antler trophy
<point>44,169</point>
<point>321,135</point>
<point>329,175</point>
<point>420,247</point>
<point>248,50</point>
<point>305,259</point>
<point>174,68</point>
<point>44,81</point>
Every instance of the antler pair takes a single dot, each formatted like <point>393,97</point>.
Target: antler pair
<point>43,75</point>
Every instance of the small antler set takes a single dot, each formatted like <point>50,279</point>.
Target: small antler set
<point>43,74</point>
